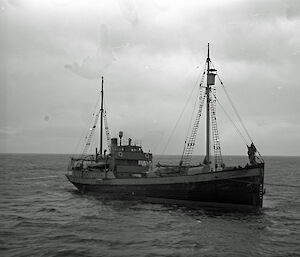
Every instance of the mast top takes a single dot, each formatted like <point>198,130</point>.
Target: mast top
<point>208,51</point>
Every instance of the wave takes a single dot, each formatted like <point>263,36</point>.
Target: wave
<point>282,185</point>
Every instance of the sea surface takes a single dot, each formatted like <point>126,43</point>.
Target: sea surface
<point>42,214</point>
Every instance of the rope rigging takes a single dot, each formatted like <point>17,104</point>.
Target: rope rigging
<point>233,107</point>
<point>217,146</point>
<point>228,116</point>
<point>196,100</point>
<point>92,129</point>
<point>85,131</point>
<point>190,143</point>
<point>107,130</point>
<point>191,119</point>
<point>238,116</point>
<point>181,114</point>
<point>91,133</point>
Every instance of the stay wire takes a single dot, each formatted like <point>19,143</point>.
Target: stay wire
<point>90,130</point>
<point>233,107</point>
<point>199,98</point>
<point>181,114</point>
<point>191,119</point>
<point>237,114</point>
<point>228,116</point>
<point>189,131</point>
<point>96,115</point>
<point>85,131</point>
<point>239,117</point>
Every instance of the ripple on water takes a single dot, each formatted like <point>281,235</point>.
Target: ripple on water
<point>42,214</point>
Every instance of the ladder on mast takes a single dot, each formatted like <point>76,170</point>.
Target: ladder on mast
<point>189,145</point>
<point>216,140</point>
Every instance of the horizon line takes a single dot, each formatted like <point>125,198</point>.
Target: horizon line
<point>275,155</point>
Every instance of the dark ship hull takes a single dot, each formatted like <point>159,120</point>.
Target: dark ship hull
<point>237,186</point>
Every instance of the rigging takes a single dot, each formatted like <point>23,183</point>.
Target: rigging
<point>91,134</point>
<point>181,114</point>
<point>217,147</point>
<point>107,131</point>
<point>189,144</point>
<point>234,108</point>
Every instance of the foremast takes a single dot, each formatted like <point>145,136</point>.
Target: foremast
<point>99,114</point>
<point>101,119</point>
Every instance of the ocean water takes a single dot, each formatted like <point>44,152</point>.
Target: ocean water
<point>42,214</point>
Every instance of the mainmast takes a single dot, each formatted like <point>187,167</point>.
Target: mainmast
<point>207,157</point>
<point>101,118</point>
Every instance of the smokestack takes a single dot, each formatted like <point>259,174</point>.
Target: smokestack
<point>120,136</point>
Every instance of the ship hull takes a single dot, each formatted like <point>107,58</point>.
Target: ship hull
<point>239,186</point>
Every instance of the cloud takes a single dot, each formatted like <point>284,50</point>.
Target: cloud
<point>92,67</point>
<point>292,9</point>
<point>147,52</point>
<point>15,3</point>
<point>128,10</point>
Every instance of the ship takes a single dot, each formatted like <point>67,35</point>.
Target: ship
<point>125,170</point>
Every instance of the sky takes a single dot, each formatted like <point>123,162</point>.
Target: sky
<point>151,54</point>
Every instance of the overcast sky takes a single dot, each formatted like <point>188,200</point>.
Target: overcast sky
<point>151,53</point>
